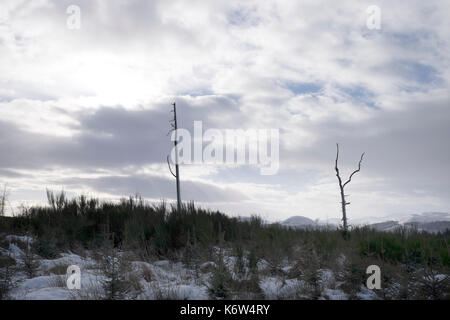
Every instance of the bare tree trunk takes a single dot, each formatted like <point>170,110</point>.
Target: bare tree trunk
<point>344,211</point>
<point>2,204</point>
<point>177,170</point>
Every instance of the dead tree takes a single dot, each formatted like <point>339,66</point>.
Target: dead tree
<point>3,199</point>
<point>342,186</point>
<point>174,127</point>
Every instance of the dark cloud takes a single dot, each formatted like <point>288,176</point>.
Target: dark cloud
<point>10,174</point>
<point>156,187</point>
<point>111,137</point>
<point>114,138</point>
<point>22,149</point>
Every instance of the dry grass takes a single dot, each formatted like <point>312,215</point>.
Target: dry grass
<point>164,293</point>
<point>6,261</point>
<point>58,269</point>
<point>147,273</point>
<point>58,281</point>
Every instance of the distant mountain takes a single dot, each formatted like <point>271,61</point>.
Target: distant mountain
<point>436,226</point>
<point>385,226</point>
<point>428,217</point>
<point>428,221</point>
<point>298,221</point>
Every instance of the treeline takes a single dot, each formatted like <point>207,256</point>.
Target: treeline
<point>160,230</point>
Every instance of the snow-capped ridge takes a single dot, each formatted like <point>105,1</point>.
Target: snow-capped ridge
<point>297,221</point>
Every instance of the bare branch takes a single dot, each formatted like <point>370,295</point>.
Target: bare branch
<point>357,170</point>
<point>336,165</point>
<point>170,169</point>
<point>170,131</point>
<point>337,156</point>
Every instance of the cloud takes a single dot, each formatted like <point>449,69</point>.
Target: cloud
<point>95,101</point>
<point>154,187</point>
<point>108,136</point>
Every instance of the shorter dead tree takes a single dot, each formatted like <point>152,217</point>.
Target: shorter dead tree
<point>342,186</point>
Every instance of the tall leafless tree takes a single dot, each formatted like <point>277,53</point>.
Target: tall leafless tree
<point>174,127</point>
<point>342,186</point>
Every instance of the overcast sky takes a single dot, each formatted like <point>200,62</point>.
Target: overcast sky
<point>86,110</point>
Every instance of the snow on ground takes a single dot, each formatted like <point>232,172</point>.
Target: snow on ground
<point>16,238</point>
<point>162,279</point>
<point>14,251</point>
<point>334,294</point>
<point>39,282</point>
<point>40,288</point>
<point>47,293</point>
<point>46,285</point>
<point>366,294</point>
<point>66,259</point>
<point>275,288</point>
<point>167,290</point>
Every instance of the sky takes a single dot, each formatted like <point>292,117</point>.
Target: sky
<point>85,108</point>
